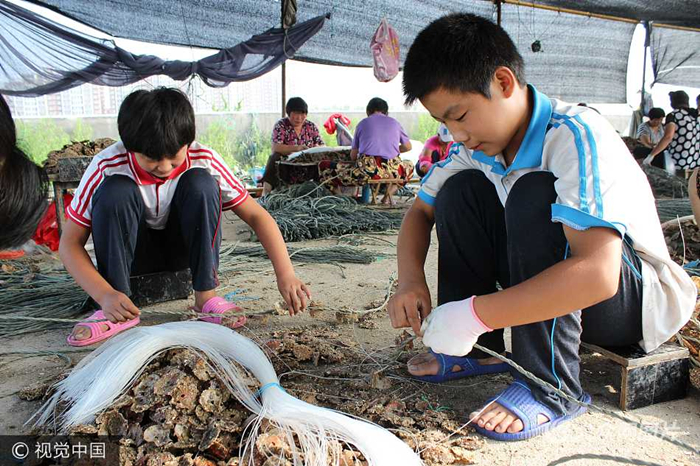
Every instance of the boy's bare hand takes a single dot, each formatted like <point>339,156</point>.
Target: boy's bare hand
<point>410,305</point>
<point>295,293</point>
<point>117,307</point>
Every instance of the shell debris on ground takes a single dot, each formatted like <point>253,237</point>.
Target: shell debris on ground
<point>179,413</point>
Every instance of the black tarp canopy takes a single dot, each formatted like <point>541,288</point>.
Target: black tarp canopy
<point>681,13</point>
<point>675,56</point>
<point>583,57</point>
<point>220,23</point>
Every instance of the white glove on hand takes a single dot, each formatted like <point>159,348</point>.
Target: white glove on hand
<point>647,161</point>
<point>453,328</point>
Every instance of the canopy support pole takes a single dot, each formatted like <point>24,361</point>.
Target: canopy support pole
<point>498,12</point>
<point>284,87</point>
<point>288,16</point>
<point>647,42</point>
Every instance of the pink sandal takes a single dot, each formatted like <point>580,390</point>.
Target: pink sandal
<point>96,332</point>
<point>218,305</point>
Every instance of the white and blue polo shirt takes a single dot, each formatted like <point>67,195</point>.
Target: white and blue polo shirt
<point>599,184</point>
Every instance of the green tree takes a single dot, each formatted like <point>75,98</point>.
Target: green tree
<point>426,128</point>
<point>328,139</point>
<point>253,146</point>
<point>82,131</point>
<point>221,137</point>
<point>39,138</point>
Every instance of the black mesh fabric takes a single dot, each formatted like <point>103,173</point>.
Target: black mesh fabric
<point>673,12</point>
<point>39,56</point>
<point>580,58</point>
<point>675,56</point>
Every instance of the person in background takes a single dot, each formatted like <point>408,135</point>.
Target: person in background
<point>649,134</point>
<point>694,194</point>
<point>381,138</point>
<point>435,149</point>
<point>681,138</point>
<point>23,187</point>
<point>290,134</point>
<point>694,182</point>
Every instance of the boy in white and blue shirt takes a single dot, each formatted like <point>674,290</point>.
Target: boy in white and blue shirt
<point>543,198</point>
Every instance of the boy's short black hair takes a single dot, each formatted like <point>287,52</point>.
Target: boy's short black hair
<point>679,99</point>
<point>459,52</point>
<point>156,123</point>
<point>24,187</point>
<point>296,104</point>
<point>376,104</point>
<point>656,112</point>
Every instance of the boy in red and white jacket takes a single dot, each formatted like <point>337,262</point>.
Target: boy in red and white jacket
<point>153,202</point>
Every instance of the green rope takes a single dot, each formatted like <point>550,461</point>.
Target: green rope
<point>668,209</point>
<point>310,211</point>
<point>143,311</point>
<point>41,295</point>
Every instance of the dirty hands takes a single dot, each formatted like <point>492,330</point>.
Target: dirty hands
<point>117,307</point>
<point>410,305</point>
<point>295,293</point>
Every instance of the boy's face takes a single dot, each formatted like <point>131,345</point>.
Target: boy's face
<point>162,168</point>
<point>481,124</point>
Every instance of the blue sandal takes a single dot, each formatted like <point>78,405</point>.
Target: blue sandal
<point>518,399</point>
<point>469,366</point>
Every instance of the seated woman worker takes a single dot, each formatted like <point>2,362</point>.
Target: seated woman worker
<point>378,141</point>
<point>290,134</point>
<point>649,134</point>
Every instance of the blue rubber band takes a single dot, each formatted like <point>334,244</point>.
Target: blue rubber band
<point>238,291</point>
<point>259,393</point>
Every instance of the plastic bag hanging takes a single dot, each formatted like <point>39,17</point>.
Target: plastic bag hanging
<point>385,51</point>
<point>341,123</point>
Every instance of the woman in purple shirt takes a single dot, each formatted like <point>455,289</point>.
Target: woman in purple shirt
<point>382,138</point>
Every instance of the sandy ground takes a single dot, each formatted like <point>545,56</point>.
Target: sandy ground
<point>592,439</point>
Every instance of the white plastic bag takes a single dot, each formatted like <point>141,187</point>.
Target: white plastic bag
<point>385,50</point>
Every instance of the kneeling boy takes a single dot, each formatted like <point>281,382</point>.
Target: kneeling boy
<point>153,202</point>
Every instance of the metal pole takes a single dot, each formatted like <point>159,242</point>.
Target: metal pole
<point>498,12</point>
<point>284,64</point>
<point>284,87</point>
<point>647,37</point>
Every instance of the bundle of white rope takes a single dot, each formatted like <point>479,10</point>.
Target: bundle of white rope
<point>102,377</point>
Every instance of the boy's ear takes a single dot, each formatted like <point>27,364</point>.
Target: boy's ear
<point>505,80</point>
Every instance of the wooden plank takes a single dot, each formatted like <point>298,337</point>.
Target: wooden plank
<point>60,207</point>
<point>385,180</point>
<point>59,188</point>
<point>633,356</point>
<point>650,384</point>
<point>255,192</point>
